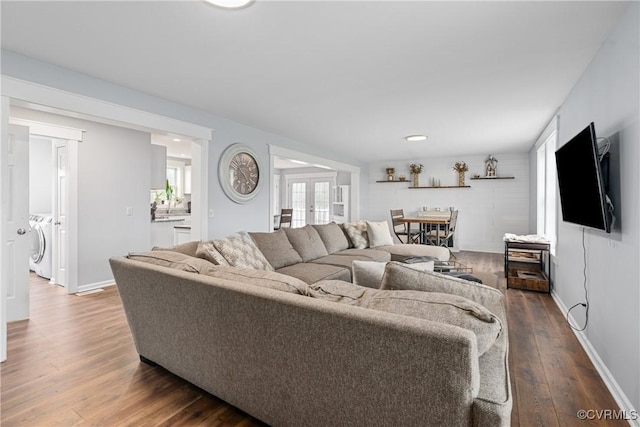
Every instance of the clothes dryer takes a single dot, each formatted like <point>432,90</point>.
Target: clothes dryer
<point>40,255</point>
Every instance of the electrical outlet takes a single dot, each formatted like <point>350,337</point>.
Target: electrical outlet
<point>129,211</point>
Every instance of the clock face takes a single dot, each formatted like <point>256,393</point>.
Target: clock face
<point>239,173</point>
<point>243,173</point>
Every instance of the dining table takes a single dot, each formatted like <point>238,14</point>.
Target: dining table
<point>424,219</point>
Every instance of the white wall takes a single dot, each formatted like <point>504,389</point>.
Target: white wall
<point>114,170</point>
<point>608,94</point>
<point>487,210</point>
<point>40,175</point>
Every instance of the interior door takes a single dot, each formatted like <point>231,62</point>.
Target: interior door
<point>310,199</point>
<point>15,223</point>
<point>59,232</point>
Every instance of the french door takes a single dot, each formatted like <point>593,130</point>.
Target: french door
<point>310,199</point>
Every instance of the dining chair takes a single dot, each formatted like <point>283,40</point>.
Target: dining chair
<point>445,235</point>
<point>285,218</point>
<point>400,228</point>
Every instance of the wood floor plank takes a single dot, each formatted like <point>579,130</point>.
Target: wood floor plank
<point>73,363</point>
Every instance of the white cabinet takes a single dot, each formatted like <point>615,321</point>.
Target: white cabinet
<point>158,167</point>
<point>340,203</point>
<point>181,235</point>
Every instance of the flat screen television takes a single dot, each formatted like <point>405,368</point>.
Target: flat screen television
<point>580,178</point>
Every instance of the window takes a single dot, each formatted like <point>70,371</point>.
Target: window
<point>546,183</point>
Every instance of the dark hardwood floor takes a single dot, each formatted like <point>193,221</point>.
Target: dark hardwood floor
<point>73,363</point>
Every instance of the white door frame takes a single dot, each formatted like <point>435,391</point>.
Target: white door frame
<point>354,195</point>
<point>73,138</point>
<point>50,99</point>
<point>33,95</point>
<point>309,178</point>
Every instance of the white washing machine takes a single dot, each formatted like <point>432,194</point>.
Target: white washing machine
<point>40,254</point>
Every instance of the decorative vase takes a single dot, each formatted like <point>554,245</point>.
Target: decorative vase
<point>390,172</point>
<point>460,179</point>
<point>416,180</point>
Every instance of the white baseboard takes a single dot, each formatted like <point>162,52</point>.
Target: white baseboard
<point>619,396</point>
<point>96,285</point>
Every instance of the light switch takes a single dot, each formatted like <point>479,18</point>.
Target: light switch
<point>129,211</point>
<point>211,213</point>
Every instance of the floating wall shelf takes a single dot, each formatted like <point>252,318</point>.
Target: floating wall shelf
<point>444,186</point>
<point>395,180</point>
<point>494,177</point>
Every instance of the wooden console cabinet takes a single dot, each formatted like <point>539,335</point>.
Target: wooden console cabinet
<point>526,265</point>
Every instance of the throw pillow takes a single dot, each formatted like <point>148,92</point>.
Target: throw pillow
<point>276,248</point>
<point>240,251</point>
<point>357,232</point>
<point>379,234</point>
<point>207,251</point>
<point>333,237</point>
<point>172,259</point>
<point>307,242</point>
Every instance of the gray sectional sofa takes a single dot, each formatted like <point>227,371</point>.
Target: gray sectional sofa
<point>311,253</point>
<point>294,345</point>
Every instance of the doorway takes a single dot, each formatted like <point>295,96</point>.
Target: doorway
<point>310,199</point>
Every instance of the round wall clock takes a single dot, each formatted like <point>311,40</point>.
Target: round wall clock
<point>239,173</point>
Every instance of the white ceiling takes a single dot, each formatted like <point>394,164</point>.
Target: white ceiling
<point>351,77</point>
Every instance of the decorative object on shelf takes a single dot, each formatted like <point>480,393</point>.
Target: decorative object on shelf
<point>390,172</point>
<point>239,173</point>
<point>402,178</point>
<point>461,168</point>
<point>490,166</point>
<point>416,170</point>
<point>435,182</point>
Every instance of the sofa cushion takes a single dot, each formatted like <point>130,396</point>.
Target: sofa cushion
<point>332,236</point>
<point>367,273</point>
<point>171,259</point>
<point>307,242</point>
<point>436,307</point>
<point>379,234</point>
<point>340,261</point>
<point>188,248</point>
<point>276,248</point>
<point>207,251</point>
<point>371,254</point>
<point>357,232</point>
<point>311,273</point>
<point>402,250</point>
<point>263,278</point>
<point>240,251</point>
<point>370,273</point>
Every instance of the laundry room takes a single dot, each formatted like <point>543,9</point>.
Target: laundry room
<point>41,184</point>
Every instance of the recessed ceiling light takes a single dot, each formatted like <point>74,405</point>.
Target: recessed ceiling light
<point>415,137</point>
<point>176,139</point>
<point>230,4</point>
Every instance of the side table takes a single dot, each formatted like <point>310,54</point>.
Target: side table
<point>526,265</point>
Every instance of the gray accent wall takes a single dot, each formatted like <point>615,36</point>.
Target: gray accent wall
<point>608,93</point>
